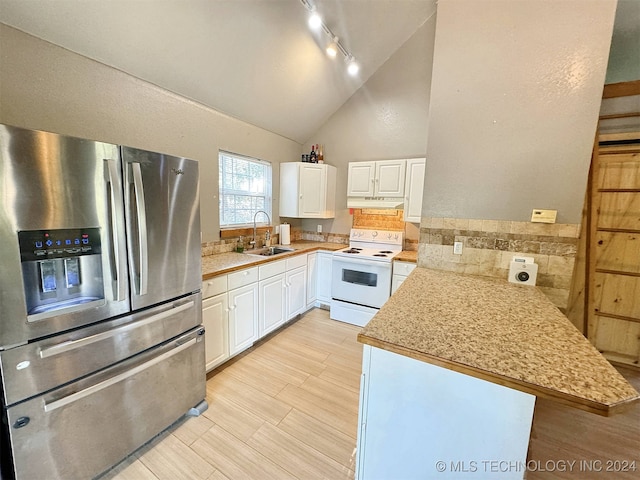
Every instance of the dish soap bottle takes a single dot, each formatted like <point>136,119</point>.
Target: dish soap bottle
<point>240,245</point>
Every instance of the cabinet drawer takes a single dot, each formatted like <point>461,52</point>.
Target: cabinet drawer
<point>271,269</point>
<point>242,278</point>
<point>403,268</point>
<point>297,261</point>
<point>214,286</point>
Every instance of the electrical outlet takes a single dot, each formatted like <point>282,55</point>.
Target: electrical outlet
<point>319,229</point>
<point>457,248</point>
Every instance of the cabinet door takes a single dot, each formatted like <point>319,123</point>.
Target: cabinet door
<point>312,278</point>
<point>396,281</point>
<point>289,189</point>
<point>361,179</point>
<point>323,282</point>
<point>313,181</point>
<point>243,317</point>
<point>272,311</point>
<point>389,180</point>
<point>296,282</point>
<point>215,318</point>
<point>413,188</point>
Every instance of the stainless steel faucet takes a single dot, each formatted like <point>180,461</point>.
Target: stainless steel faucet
<point>255,243</point>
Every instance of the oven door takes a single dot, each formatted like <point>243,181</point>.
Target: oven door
<point>360,281</point>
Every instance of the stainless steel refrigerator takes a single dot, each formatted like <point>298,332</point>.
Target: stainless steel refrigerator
<point>101,343</point>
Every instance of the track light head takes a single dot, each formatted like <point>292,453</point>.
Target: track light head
<point>332,48</point>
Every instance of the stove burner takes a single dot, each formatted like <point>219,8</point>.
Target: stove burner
<point>381,254</point>
<point>353,250</point>
<point>386,251</point>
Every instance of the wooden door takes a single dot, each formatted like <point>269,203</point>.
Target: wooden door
<point>614,291</point>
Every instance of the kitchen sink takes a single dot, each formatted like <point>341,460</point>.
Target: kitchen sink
<point>269,251</point>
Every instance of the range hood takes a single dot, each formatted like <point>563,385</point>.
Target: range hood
<point>375,202</point>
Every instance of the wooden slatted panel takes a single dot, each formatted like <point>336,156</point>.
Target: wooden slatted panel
<point>618,295</point>
<point>614,267</point>
<point>618,337</point>
<point>619,171</point>
<point>619,211</point>
<point>618,251</point>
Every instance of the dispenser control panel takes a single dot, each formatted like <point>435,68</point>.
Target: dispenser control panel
<point>60,243</point>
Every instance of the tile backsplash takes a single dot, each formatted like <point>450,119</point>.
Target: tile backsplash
<point>490,245</point>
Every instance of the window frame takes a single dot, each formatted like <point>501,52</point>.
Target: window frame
<point>267,195</point>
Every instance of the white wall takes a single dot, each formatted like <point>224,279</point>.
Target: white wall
<point>515,96</point>
<point>624,58</point>
<point>46,87</point>
<point>386,118</point>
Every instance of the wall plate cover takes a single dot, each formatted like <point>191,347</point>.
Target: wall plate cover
<point>544,216</point>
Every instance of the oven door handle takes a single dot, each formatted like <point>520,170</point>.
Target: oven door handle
<point>356,261</point>
<point>74,397</point>
<point>74,344</point>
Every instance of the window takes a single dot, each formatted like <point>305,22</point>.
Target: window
<point>245,188</point>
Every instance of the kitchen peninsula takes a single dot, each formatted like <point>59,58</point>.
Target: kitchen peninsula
<point>452,365</point>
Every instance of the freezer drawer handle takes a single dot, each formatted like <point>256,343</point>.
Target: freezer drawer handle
<point>74,397</point>
<point>141,212</point>
<point>73,344</point>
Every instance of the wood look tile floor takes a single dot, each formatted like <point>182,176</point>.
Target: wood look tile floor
<point>288,409</point>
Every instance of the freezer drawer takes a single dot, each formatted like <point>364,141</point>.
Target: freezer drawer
<point>84,428</point>
<point>37,367</point>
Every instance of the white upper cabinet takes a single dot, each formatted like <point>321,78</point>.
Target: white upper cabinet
<point>413,190</point>
<point>307,190</point>
<point>361,179</point>
<point>382,178</point>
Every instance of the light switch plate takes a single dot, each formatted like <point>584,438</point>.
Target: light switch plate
<point>544,216</point>
<point>457,248</point>
<point>319,230</point>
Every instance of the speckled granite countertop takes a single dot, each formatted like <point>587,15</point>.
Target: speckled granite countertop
<point>221,263</point>
<point>507,334</point>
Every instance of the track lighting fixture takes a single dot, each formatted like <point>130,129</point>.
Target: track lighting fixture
<point>315,21</point>
<point>335,46</point>
<point>332,48</point>
<point>352,66</point>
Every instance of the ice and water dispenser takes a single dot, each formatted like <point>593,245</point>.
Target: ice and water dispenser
<point>61,269</point>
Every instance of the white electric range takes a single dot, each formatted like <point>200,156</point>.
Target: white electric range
<point>361,274</point>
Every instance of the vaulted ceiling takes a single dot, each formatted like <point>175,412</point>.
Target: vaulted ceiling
<point>255,60</point>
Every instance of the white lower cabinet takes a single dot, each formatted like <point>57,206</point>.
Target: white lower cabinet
<point>272,310</point>
<point>215,318</point>
<point>312,279</point>
<point>243,318</point>
<point>243,306</point>
<point>323,277</point>
<point>296,281</point>
<point>401,271</point>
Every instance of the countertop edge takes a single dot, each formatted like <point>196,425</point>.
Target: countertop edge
<point>602,409</point>
<point>255,261</point>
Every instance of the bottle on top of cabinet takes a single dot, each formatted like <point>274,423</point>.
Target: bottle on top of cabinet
<point>313,157</point>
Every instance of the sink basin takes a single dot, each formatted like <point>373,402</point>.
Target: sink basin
<point>268,251</point>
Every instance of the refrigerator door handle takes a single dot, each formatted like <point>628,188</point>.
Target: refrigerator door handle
<point>116,235</point>
<point>74,397</point>
<point>142,228</point>
<point>82,342</point>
